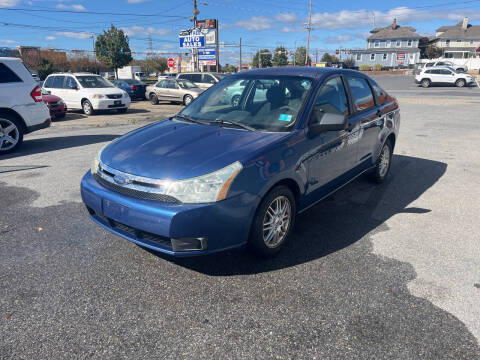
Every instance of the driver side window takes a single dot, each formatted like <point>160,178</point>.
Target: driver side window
<point>332,98</point>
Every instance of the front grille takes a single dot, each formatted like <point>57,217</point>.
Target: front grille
<point>114,96</point>
<point>53,104</point>
<point>136,193</point>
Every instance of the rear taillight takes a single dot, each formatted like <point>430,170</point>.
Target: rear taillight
<point>134,87</point>
<point>36,94</point>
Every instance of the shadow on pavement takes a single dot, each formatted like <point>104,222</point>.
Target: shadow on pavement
<point>38,146</point>
<point>338,222</point>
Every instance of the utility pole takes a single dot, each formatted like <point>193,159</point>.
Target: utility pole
<point>94,53</point>
<point>309,28</point>
<point>194,19</point>
<point>217,52</point>
<point>295,54</point>
<point>240,55</point>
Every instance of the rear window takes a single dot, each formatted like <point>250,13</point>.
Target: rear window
<point>361,93</point>
<point>7,75</point>
<point>381,94</point>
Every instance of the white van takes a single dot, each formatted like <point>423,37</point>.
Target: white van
<point>22,109</point>
<point>88,92</point>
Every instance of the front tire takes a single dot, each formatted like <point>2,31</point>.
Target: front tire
<point>153,99</point>
<point>11,134</point>
<point>273,222</point>
<point>187,99</point>
<point>460,83</point>
<point>382,167</point>
<point>426,83</point>
<point>87,108</point>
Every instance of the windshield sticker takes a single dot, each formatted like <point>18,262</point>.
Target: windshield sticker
<point>285,117</point>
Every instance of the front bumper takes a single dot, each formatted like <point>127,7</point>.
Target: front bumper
<point>109,104</point>
<point>57,110</point>
<point>155,225</point>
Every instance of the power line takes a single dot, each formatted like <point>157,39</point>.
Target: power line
<point>92,12</point>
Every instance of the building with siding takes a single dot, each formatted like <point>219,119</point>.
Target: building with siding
<point>460,41</point>
<point>391,46</point>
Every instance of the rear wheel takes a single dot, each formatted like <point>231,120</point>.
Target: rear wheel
<point>460,83</point>
<point>11,134</point>
<point>87,108</point>
<point>426,83</point>
<point>273,222</point>
<point>153,99</point>
<point>382,167</point>
<point>187,99</point>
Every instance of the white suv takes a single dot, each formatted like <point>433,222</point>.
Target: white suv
<point>22,109</point>
<point>88,92</point>
<point>443,75</point>
<point>444,63</point>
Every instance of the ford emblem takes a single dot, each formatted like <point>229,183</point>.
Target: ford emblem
<point>121,180</point>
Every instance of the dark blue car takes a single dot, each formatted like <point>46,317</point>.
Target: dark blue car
<point>134,88</point>
<point>220,175</point>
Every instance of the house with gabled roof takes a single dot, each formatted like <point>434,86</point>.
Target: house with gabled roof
<point>460,41</point>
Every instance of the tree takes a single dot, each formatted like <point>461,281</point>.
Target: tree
<point>349,63</point>
<point>300,54</point>
<point>230,68</point>
<point>112,48</point>
<point>45,68</point>
<point>280,56</point>
<point>433,52</point>
<point>265,56</point>
<point>158,63</point>
<point>329,58</point>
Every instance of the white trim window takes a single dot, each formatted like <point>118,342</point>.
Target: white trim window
<point>389,43</point>
<point>377,43</point>
<point>372,57</point>
<point>447,42</point>
<point>398,43</point>
<point>409,43</point>
<point>385,56</point>
<point>471,42</point>
<point>359,57</point>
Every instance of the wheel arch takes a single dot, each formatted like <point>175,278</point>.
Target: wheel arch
<point>289,183</point>
<point>14,114</point>
<point>392,139</point>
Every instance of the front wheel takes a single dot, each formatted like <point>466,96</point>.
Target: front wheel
<point>153,99</point>
<point>187,99</point>
<point>11,134</point>
<point>460,83</point>
<point>87,108</point>
<point>426,83</point>
<point>273,222</point>
<point>382,166</point>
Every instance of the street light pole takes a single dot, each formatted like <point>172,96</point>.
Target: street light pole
<point>194,19</point>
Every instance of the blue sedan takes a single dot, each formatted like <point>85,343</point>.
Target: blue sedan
<point>134,88</point>
<point>221,175</point>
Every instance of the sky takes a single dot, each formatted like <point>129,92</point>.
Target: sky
<point>71,24</point>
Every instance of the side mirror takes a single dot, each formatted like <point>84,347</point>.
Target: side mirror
<point>322,121</point>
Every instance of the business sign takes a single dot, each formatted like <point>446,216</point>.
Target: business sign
<point>207,24</point>
<point>400,56</point>
<point>207,54</point>
<point>192,38</point>
<point>207,62</point>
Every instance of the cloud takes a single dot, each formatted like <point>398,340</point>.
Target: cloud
<point>75,35</point>
<point>288,29</point>
<point>74,7</point>
<point>286,17</point>
<point>9,3</point>
<point>346,37</point>
<point>140,30</point>
<point>255,23</point>
<point>50,38</point>
<point>8,41</point>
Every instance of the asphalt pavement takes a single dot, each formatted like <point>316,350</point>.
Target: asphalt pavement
<point>387,271</point>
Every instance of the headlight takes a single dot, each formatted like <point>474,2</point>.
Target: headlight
<point>206,188</point>
<point>99,96</point>
<point>125,95</point>
<point>96,161</point>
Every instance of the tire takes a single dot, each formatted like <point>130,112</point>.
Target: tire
<point>425,83</point>
<point>460,83</point>
<point>87,108</point>
<point>461,69</point>
<point>122,111</point>
<point>153,99</point>
<point>187,99</point>
<point>382,166</point>
<point>269,242</point>
<point>235,100</point>
<point>60,116</point>
<point>11,127</point>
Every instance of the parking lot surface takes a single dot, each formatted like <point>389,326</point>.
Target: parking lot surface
<point>387,271</point>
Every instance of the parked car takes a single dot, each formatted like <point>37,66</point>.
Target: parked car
<point>57,107</point>
<point>217,177</point>
<point>88,92</point>
<point>134,88</point>
<point>167,76</point>
<point>203,79</point>
<point>443,63</point>
<point>173,90</point>
<point>22,109</point>
<point>443,76</point>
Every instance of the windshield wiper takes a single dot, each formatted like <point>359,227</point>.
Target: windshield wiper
<point>189,119</point>
<point>234,123</point>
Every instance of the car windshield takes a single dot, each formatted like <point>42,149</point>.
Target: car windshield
<point>186,84</point>
<point>92,81</point>
<point>259,102</point>
<point>133,82</point>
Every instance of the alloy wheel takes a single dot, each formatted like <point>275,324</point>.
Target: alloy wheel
<point>276,222</point>
<point>384,161</point>
<point>9,135</point>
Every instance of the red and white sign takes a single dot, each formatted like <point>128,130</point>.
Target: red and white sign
<point>400,56</point>
<point>207,62</point>
<point>171,62</point>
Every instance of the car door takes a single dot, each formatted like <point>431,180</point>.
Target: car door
<point>174,91</point>
<point>367,116</point>
<point>330,154</point>
<point>448,76</point>
<point>161,90</point>
<point>71,93</point>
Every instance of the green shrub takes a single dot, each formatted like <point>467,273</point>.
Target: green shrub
<point>364,68</point>
<point>377,67</point>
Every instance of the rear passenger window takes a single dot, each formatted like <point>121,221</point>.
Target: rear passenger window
<point>332,97</point>
<point>361,93</point>
<point>58,82</point>
<point>7,75</point>
<point>70,82</point>
<point>381,94</point>
<point>196,78</point>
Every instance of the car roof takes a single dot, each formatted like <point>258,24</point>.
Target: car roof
<point>74,74</point>
<point>5,59</point>
<point>315,72</point>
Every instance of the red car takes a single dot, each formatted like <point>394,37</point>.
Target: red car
<point>57,107</point>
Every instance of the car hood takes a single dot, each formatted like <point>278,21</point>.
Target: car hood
<point>50,98</point>
<point>177,150</point>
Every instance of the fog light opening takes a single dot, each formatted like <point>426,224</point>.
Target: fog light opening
<point>189,244</point>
